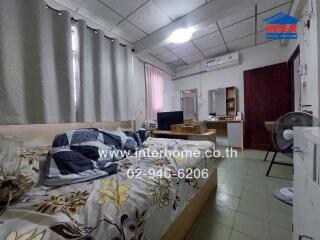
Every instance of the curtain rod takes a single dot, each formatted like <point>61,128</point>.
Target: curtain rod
<point>162,69</point>
<point>153,66</point>
<point>93,29</point>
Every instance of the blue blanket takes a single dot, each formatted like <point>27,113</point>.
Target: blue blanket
<point>85,154</point>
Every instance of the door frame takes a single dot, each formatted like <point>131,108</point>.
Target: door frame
<point>195,91</point>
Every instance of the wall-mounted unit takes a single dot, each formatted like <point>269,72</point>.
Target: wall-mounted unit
<point>228,60</point>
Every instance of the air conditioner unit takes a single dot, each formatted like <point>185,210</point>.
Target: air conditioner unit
<point>229,60</point>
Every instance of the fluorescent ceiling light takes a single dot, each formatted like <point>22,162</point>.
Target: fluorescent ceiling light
<point>181,35</point>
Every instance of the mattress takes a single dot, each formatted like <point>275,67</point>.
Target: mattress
<point>141,201</point>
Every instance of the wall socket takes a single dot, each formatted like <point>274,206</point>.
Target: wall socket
<point>303,69</point>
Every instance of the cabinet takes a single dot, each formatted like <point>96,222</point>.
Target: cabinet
<point>306,184</point>
<point>230,129</point>
<point>235,134</point>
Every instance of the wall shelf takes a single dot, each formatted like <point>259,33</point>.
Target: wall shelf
<point>231,101</point>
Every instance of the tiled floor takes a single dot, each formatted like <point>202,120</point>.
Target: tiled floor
<point>243,207</point>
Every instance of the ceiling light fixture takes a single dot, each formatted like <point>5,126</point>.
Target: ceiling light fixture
<point>181,35</point>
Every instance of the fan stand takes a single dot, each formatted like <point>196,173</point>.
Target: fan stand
<point>274,162</point>
<point>269,149</point>
<point>292,119</point>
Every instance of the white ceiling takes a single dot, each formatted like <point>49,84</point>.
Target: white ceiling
<point>133,20</point>
<point>242,30</point>
<point>209,41</point>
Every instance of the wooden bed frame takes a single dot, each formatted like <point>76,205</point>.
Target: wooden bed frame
<point>182,225</point>
<point>31,137</point>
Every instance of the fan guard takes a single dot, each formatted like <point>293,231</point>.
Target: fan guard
<point>282,132</point>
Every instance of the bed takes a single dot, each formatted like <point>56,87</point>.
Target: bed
<point>131,204</point>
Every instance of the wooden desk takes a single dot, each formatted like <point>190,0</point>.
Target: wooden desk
<point>210,135</point>
<point>232,129</point>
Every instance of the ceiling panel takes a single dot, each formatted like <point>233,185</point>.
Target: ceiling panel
<point>98,12</point>
<point>193,58</point>
<point>239,30</point>
<point>124,7</point>
<point>149,18</point>
<point>216,51</point>
<point>167,56</point>
<point>128,31</point>
<point>209,41</point>
<point>261,37</point>
<point>157,50</point>
<point>72,4</point>
<point>264,5</point>
<point>260,23</point>
<point>247,13</point>
<point>173,45</point>
<point>185,49</point>
<point>56,5</point>
<point>205,31</point>
<point>177,8</point>
<point>176,63</point>
<point>241,43</point>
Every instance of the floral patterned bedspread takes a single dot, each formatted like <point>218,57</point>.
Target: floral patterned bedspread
<point>141,205</point>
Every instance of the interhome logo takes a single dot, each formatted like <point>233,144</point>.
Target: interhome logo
<point>281,26</point>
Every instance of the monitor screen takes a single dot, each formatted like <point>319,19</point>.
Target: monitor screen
<point>166,119</point>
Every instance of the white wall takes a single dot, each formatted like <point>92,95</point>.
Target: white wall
<point>254,57</point>
<point>309,55</point>
<point>309,42</point>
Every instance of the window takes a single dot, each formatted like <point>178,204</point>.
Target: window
<point>154,85</point>
<point>75,61</point>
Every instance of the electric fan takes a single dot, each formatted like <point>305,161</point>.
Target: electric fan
<point>282,138</point>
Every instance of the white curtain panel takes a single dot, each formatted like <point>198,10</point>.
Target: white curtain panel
<point>36,83</point>
<point>154,86</point>
<point>122,71</point>
<point>105,78</point>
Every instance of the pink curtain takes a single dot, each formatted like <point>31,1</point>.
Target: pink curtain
<point>154,88</point>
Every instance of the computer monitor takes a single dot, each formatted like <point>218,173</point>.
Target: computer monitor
<point>166,119</point>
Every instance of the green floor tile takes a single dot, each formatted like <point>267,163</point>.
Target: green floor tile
<point>220,214</point>
<point>254,195</point>
<point>235,235</point>
<point>251,226</point>
<point>226,200</point>
<point>280,218</point>
<point>212,231</point>
<point>253,209</point>
<point>231,188</point>
<point>278,233</point>
<point>243,207</point>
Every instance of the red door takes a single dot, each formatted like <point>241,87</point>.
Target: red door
<point>266,98</point>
